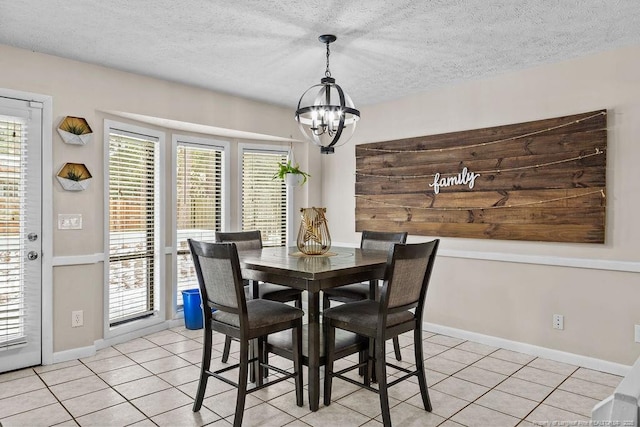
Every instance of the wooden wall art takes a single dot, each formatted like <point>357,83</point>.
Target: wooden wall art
<point>539,181</point>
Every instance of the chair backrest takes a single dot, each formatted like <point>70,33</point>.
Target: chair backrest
<point>380,240</point>
<point>219,276</point>
<point>407,276</point>
<point>244,240</point>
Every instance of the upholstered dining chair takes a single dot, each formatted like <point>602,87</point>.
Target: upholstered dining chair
<point>246,240</point>
<point>360,291</point>
<point>222,288</point>
<point>398,310</point>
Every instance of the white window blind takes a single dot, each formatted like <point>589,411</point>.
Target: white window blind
<point>12,266</point>
<point>133,218</point>
<point>264,200</point>
<point>198,206</point>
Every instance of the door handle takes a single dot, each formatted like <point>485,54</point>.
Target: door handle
<point>32,255</point>
<point>32,237</point>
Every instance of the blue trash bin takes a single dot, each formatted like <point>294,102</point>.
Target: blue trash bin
<point>192,309</point>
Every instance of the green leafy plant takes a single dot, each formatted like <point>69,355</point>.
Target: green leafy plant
<point>285,168</point>
<point>73,175</point>
<point>75,126</point>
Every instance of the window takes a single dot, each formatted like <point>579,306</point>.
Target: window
<point>134,233</point>
<point>200,200</point>
<point>264,200</point>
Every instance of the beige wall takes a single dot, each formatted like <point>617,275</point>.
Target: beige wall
<point>510,300</point>
<point>85,90</point>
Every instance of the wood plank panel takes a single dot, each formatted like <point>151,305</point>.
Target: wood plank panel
<point>543,180</point>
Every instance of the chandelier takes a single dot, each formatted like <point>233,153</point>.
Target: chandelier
<point>326,114</point>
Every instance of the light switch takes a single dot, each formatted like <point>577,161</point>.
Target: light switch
<point>69,221</point>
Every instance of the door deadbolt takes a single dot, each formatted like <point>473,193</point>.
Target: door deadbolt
<point>32,255</point>
<point>32,237</point>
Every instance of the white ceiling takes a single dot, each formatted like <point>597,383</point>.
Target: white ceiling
<point>268,49</point>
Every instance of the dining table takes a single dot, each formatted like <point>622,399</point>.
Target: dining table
<point>312,273</point>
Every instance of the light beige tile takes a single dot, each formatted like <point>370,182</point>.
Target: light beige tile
<point>597,377</point>
<point>45,416</point>
<point>78,387</point>
<point>430,349</point>
<point>161,401</point>
<point>105,353</point>
<point>526,389</point>
<point>26,402</point>
<point>134,345</point>
<point>166,337</point>
<point>195,356</point>
<point>224,404</point>
<point>442,365</point>
<point>461,356</point>
<point>497,365</point>
<point>137,388</point>
<point>365,402</point>
<point>405,389</point>
<point>123,375</point>
<point>92,402</point>
<point>14,375</point>
<point>47,368</point>
<point>20,385</point>
<point>339,388</point>
<point>480,376</point>
<point>512,356</point>
<point>586,388</point>
<point>214,386</point>
<point>110,364</point>
<point>265,415</point>
<point>184,416</point>
<point>287,403</point>
<point>475,415</point>
<point>144,423</point>
<point>119,415</point>
<point>546,415</point>
<point>442,404</point>
<point>445,340</point>
<point>462,389</point>
<point>450,423</point>
<point>433,377</point>
<point>183,346</point>
<point>189,333</point>
<point>148,354</point>
<point>181,375</point>
<point>334,415</point>
<point>539,376</point>
<point>507,403</point>
<point>69,423</point>
<point>165,364</point>
<point>66,374</point>
<point>553,366</point>
<point>571,402</point>
<point>410,416</point>
<point>475,347</point>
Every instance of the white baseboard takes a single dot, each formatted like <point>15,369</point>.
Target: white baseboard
<point>533,350</point>
<point>74,353</point>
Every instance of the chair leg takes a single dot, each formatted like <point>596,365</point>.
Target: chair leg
<point>396,348</point>
<point>370,375</point>
<point>326,302</point>
<point>297,361</point>
<point>422,380</point>
<point>329,355</point>
<point>381,374</point>
<point>298,301</point>
<point>204,376</point>
<point>261,354</point>
<point>242,382</point>
<point>227,349</point>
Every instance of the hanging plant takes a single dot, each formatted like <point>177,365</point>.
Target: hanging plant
<point>291,174</point>
<point>75,130</point>
<point>74,177</point>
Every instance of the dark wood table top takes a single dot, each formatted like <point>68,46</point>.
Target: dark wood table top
<point>286,266</point>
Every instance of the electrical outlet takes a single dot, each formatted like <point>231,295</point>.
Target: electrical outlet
<point>77,318</point>
<point>69,221</point>
<point>637,333</point>
<point>558,321</point>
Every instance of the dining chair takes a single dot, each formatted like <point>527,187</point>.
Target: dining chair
<point>247,240</point>
<point>221,286</point>
<point>398,310</point>
<point>377,240</point>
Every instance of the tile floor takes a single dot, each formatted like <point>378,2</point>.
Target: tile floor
<point>152,380</point>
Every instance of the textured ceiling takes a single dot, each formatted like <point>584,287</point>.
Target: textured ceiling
<point>268,50</point>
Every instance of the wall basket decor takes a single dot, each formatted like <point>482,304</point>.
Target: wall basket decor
<point>75,130</point>
<point>543,180</point>
<point>74,177</point>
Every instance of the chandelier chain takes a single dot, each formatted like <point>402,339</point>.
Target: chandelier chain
<point>327,72</point>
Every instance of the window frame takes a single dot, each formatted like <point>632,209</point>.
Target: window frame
<point>176,139</point>
<point>159,261</point>
<point>242,147</point>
